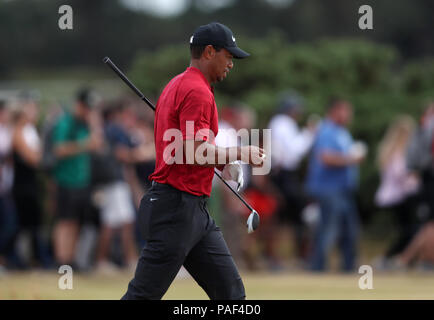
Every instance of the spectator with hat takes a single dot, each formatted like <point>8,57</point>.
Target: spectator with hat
<point>75,136</point>
<point>289,145</point>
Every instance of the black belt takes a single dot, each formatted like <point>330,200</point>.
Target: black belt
<point>155,183</point>
<point>168,186</point>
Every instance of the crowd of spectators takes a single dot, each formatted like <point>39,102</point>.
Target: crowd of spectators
<point>71,180</point>
<point>69,195</point>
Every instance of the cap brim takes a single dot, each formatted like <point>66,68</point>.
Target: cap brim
<point>237,52</point>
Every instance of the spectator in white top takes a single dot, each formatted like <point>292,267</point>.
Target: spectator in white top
<point>27,189</point>
<point>289,145</point>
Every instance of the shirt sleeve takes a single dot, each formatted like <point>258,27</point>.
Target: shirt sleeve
<point>328,143</point>
<point>116,136</point>
<point>195,117</point>
<point>336,141</point>
<point>60,131</point>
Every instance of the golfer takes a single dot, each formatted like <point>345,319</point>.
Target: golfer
<point>173,215</point>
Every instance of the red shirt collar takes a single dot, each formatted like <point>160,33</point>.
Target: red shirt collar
<point>197,71</point>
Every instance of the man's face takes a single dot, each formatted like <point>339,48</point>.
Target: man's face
<point>31,110</point>
<point>82,111</point>
<point>4,115</point>
<point>128,118</point>
<point>345,113</point>
<point>428,116</point>
<point>342,113</point>
<point>220,65</point>
<point>295,113</point>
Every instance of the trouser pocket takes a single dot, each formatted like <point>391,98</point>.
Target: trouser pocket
<point>157,210</point>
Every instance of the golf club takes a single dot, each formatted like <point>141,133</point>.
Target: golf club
<point>253,219</point>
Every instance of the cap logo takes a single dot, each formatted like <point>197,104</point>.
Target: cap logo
<point>233,39</point>
<point>191,39</point>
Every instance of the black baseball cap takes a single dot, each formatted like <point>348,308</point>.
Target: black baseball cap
<point>217,34</point>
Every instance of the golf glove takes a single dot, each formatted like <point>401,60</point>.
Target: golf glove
<point>233,171</point>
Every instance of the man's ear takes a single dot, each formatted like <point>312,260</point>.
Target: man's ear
<point>209,52</point>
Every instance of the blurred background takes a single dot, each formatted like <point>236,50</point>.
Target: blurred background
<point>310,66</point>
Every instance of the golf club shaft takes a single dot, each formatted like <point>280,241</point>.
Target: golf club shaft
<point>107,61</point>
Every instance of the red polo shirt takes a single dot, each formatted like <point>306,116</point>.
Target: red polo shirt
<point>187,97</point>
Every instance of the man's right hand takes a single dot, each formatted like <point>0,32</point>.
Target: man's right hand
<point>355,160</point>
<point>94,143</point>
<point>358,152</point>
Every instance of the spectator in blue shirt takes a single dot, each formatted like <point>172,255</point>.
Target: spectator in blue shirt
<point>332,180</point>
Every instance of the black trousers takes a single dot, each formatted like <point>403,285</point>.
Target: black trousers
<point>179,231</point>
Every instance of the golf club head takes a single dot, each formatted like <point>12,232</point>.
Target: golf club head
<point>252,221</point>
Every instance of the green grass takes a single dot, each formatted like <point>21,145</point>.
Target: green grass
<point>284,286</point>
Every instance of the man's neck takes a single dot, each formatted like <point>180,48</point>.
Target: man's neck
<point>196,64</point>
<point>334,121</point>
<point>77,116</point>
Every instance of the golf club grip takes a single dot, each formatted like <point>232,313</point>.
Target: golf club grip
<point>107,61</point>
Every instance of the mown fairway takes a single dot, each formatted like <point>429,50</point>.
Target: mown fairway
<point>294,285</point>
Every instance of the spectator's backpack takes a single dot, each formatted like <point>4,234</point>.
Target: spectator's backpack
<point>105,169</point>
